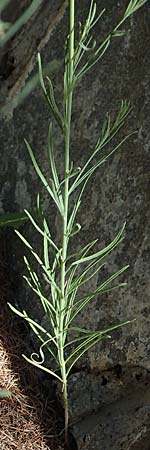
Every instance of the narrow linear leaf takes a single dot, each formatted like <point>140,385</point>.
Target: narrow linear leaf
<point>41,75</point>
<point>100,290</point>
<point>84,350</point>
<point>38,259</point>
<point>90,296</point>
<point>81,279</point>
<point>46,252</point>
<point>45,369</point>
<point>16,311</point>
<point>41,176</point>
<point>53,165</point>
<point>13,219</point>
<point>43,233</point>
<point>50,98</point>
<point>43,341</point>
<point>38,290</point>
<point>83,175</point>
<point>58,116</point>
<point>103,251</point>
<point>32,322</point>
<point>133,6</point>
<point>92,341</point>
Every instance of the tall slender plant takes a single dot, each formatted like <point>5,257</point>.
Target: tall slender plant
<point>64,272</point>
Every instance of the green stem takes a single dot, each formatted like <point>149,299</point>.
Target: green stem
<point>62,335</point>
<point>65,399</point>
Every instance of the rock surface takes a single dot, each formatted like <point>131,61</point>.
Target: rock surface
<point>110,390</point>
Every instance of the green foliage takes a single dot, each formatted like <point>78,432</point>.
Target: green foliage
<point>4,393</point>
<point>64,272</point>
<point>12,219</point>
<point>3,5</point>
<point>30,85</point>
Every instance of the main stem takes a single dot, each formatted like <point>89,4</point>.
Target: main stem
<point>62,334</point>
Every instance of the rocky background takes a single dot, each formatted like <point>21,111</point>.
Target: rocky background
<point>109,392</point>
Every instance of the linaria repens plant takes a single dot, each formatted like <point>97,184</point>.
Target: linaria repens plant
<point>68,272</point>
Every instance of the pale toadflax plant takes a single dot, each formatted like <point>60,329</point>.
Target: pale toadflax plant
<point>68,272</point>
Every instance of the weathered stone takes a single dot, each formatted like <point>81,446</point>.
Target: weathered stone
<point>116,411</point>
<point>112,407</point>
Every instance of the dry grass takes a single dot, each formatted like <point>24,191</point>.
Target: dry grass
<point>22,415</point>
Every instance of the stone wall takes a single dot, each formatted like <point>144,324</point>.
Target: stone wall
<point>109,392</point>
